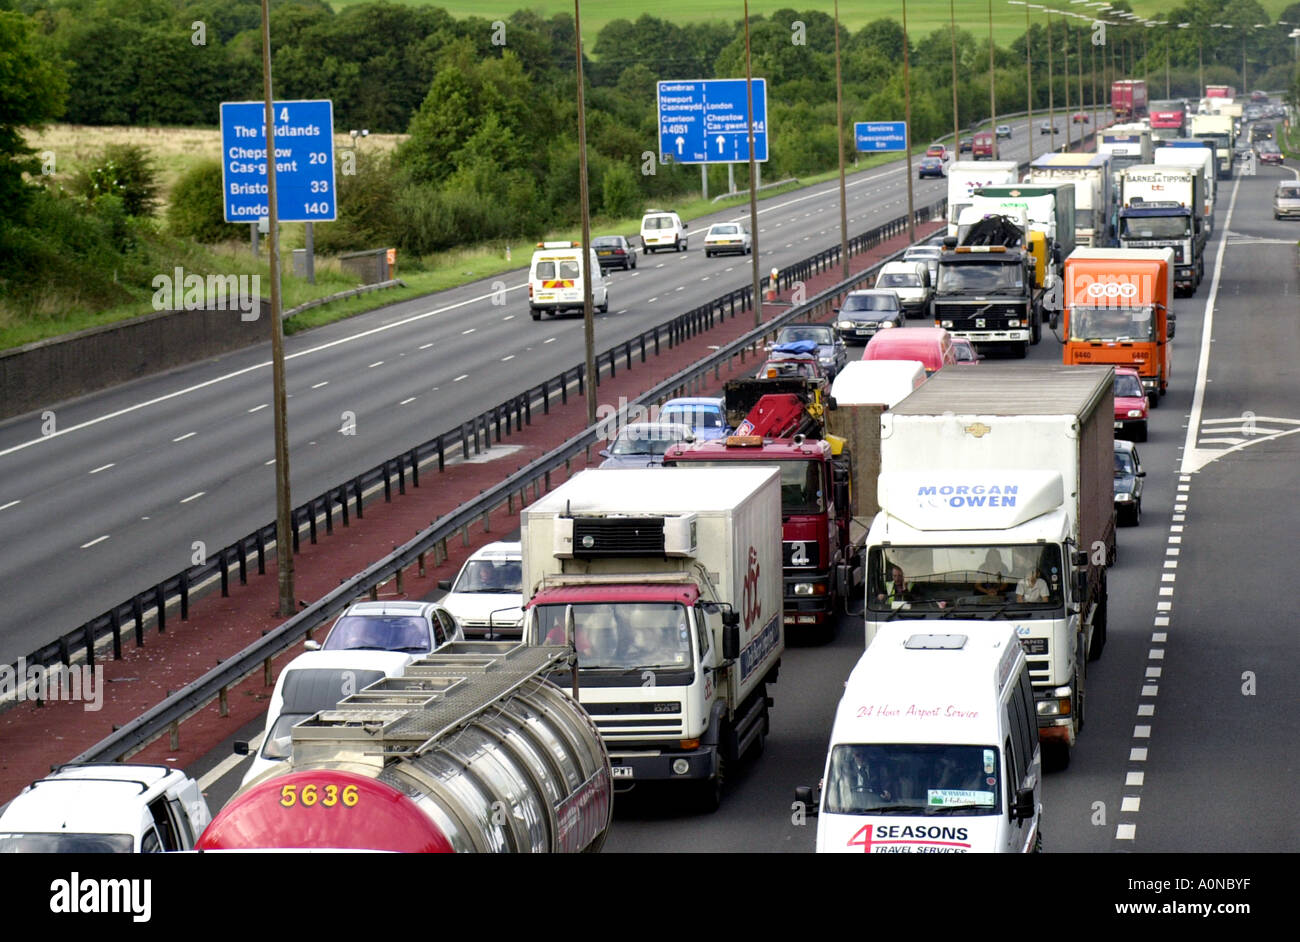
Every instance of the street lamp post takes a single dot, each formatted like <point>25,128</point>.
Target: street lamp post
<point>952,32</point>
<point>993,99</point>
<point>1051,86</point>
<point>907,130</point>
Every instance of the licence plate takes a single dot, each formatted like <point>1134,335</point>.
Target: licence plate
<point>620,771</point>
<point>604,252</point>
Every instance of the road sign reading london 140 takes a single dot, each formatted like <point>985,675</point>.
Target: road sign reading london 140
<point>304,161</point>
<point>702,121</point>
<point>878,136</point>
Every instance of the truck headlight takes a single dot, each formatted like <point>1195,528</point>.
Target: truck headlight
<point>947,325</point>
<point>1057,704</point>
<point>1135,413</point>
<point>681,766</point>
<point>1013,323</point>
<point>803,588</point>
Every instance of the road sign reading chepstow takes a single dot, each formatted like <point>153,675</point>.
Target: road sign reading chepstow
<point>703,121</point>
<point>880,135</point>
<point>304,161</point>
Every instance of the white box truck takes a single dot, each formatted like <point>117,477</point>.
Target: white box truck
<point>934,748</point>
<point>1125,145</point>
<point>1165,206</point>
<point>967,176</point>
<point>1217,131</point>
<point>1093,201</point>
<point>672,579</point>
<point>1199,159</point>
<point>997,502</point>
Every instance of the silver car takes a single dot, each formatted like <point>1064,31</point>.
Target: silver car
<point>642,444</point>
<point>1286,200</point>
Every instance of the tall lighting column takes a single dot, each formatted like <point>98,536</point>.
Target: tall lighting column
<point>753,172</point>
<point>839,147</point>
<point>588,318</point>
<point>993,98</point>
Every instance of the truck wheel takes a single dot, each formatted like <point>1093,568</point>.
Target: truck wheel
<point>708,796</point>
<point>1038,842</point>
<point>1037,331</point>
<point>537,314</point>
<point>1099,624</point>
<point>1056,757</point>
<point>1022,350</point>
<point>1154,398</point>
<point>1080,686</point>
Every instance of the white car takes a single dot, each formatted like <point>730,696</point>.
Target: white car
<point>662,229</point>
<point>487,596</point>
<point>410,627</point>
<point>725,237</point>
<point>309,683</point>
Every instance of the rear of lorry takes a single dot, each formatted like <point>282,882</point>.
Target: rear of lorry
<point>671,582</point>
<point>1119,312</point>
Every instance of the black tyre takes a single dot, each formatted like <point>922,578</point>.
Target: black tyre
<point>1056,757</point>
<point>1099,625</point>
<point>537,314</point>
<point>1021,350</point>
<point>604,308</point>
<point>708,795</point>
<point>1154,398</point>
<point>1036,333</point>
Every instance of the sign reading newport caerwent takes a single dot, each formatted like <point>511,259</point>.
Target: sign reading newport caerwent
<point>703,121</point>
<point>304,161</point>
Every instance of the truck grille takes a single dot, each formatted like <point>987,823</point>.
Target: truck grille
<point>617,536</point>
<point>967,312</point>
<point>1040,670</point>
<point>632,721</point>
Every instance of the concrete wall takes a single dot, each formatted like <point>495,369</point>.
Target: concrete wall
<point>42,374</point>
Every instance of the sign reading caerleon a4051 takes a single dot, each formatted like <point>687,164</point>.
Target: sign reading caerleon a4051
<point>304,161</point>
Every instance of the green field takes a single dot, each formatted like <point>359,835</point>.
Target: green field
<point>923,16</point>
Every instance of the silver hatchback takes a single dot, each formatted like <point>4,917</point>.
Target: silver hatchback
<point>1286,201</point>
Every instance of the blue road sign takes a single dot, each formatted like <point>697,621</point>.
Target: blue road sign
<point>876,136</point>
<point>703,121</point>
<point>304,161</point>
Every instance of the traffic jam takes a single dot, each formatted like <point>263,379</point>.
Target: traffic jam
<point>894,468</point>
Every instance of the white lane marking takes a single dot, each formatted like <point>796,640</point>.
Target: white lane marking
<point>93,542</point>
<point>319,385</point>
<point>1141,732</point>
<point>10,504</point>
<point>1146,709</point>
<point>1131,803</point>
<point>103,467</point>
<point>193,497</point>
<point>652,300</point>
<point>680,288</point>
<point>376,363</point>
<point>512,356</point>
<point>1150,690</point>
<point>470,331</point>
<point>1134,778</point>
<point>460,377</point>
<point>1137,754</point>
<point>405,401</point>
<point>272,461</point>
<point>423,346</point>
<point>249,369</point>
<point>1125,832</point>
<point>549,340</point>
<point>181,438</point>
<point>258,408</point>
<point>508,317</point>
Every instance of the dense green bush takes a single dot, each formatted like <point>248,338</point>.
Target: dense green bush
<point>195,211</point>
<point>125,171</point>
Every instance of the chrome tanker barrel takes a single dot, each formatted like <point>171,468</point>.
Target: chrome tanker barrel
<point>472,749</point>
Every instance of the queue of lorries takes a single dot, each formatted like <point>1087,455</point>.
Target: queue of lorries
<point>969,512</point>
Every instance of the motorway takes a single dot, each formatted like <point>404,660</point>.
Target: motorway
<point>1192,715</point>
<point>133,477</point>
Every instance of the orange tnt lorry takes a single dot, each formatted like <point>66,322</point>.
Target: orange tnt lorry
<point>1117,312</point>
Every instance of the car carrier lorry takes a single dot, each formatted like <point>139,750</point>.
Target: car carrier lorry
<point>996,506</point>
<point>672,579</point>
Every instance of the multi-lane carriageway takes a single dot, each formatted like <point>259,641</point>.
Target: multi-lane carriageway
<point>1190,740</point>
<point>135,475</point>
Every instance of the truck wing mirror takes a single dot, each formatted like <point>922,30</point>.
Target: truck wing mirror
<point>731,641</point>
<point>1172,323</point>
<point>1024,807</point>
<point>730,617</point>
<point>1079,558</point>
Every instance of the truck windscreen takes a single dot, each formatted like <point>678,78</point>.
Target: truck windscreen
<point>912,778</point>
<point>962,580</point>
<point>1155,227</point>
<point>1112,322</point>
<point>981,278</point>
<point>623,635</point>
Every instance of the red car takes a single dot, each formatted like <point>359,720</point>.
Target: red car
<point>965,350</point>
<point>1270,156</point>
<point>1079,117</point>
<point>937,150</point>
<point>1130,404</point>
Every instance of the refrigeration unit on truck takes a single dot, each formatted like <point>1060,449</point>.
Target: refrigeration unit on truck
<point>1090,174</point>
<point>1119,312</point>
<point>967,176</point>
<point>1128,98</point>
<point>1164,206</point>
<point>471,749</point>
<point>672,582</point>
<point>1199,157</point>
<point>997,506</point>
<point>1216,131</point>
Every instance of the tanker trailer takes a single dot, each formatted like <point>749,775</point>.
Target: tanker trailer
<point>471,749</point>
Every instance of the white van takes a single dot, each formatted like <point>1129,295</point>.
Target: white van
<point>311,682</point>
<point>662,229</point>
<point>487,596</point>
<point>555,279</point>
<point>910,280</point>
<point>934,748</point>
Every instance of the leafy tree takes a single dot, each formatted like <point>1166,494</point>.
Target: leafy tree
<point>33,90</point>
<point>195,209</point>
<point>125,172</point>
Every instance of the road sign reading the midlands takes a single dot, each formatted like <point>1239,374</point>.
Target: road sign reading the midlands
<point>304,161</point>
<point>878,136</point>
<point>703,121</point>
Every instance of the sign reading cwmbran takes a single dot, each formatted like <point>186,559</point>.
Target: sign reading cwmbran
<point>75,895</point>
